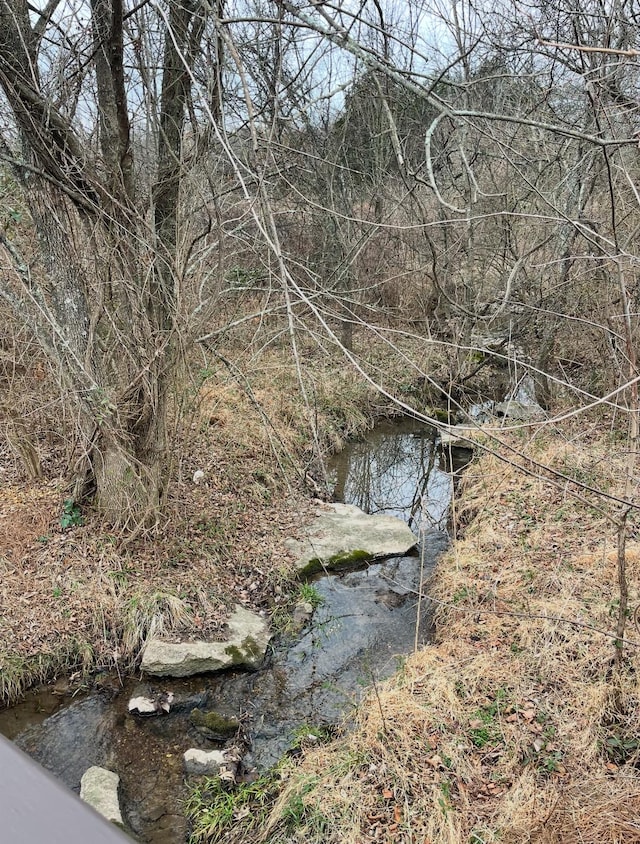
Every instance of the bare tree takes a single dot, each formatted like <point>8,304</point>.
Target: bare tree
<point>101,291</point>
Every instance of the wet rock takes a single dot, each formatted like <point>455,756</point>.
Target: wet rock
<point>457,436</point>
<point>99,788</point>
<point>147,704</point>
<point>213,725</point>
<point>186,700</point>
<point>143,706</point>
<point>73,739</point>
<point>516,411</point>
<point>519,405</point>
<point>203,761</point>
<point>390,599</point>
<point>245,646</point>
<point>224,763</point>
<point>302,614</point>
<point>342,535</point>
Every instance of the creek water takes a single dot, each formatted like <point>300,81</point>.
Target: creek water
<point>369,619</point>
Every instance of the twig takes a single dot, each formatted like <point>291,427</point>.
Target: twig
<point>612,51</point>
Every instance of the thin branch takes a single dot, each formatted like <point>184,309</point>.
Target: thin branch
<point>611,51</point>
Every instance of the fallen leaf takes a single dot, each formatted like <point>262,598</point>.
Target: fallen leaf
<point>387,794</point>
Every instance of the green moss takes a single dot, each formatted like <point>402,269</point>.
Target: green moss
<point>251,648</point>
<point>441,414</point>
<point>339,562</point>
<point>247,652</point>
<point>237,657</point>
<point>213,724</point>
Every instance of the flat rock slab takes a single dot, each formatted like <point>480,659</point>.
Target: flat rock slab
<point>245,646</point>
<point>516,411</point>
<point>342,535</point>
<point>99,788</point>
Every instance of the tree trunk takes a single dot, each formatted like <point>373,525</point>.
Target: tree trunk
<point>106,312</point>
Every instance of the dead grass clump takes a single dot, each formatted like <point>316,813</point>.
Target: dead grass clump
<point>513,726</point>
<point>604,812</point>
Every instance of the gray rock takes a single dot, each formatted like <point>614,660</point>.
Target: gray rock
<point>142,706</point>
<point>223,763</point>
<point>516,411</point>
<point>245,646</point>
<point>457,436</point>
<point>203,761</point>
<point>99,788</point>
<point>302,613</point>
<point>519,408</point>
<point>343,535</point>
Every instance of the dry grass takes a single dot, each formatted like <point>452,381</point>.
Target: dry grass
<point>507,728</point>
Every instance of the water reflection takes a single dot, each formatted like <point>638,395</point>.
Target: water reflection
<point>398,469</point>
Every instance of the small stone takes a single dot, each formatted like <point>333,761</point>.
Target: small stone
<point>99,788</point>
<point>142,706</point>
<point>198,476</point>
<point>203,761</point>
<point>213,725</point>
<point>302,614</point>
<point>146,705</point>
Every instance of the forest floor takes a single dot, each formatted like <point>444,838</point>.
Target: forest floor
<point>515,725</point>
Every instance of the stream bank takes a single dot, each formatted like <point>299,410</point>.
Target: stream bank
<point>511,725</point>
<point>365,622</point>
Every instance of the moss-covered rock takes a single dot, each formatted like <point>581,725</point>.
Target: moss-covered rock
<point>342,536</point>
<point>343,561</point>
<point>214,725</point>
<point>245,645</point>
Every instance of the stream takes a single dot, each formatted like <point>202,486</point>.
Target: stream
<point>368,621</point>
